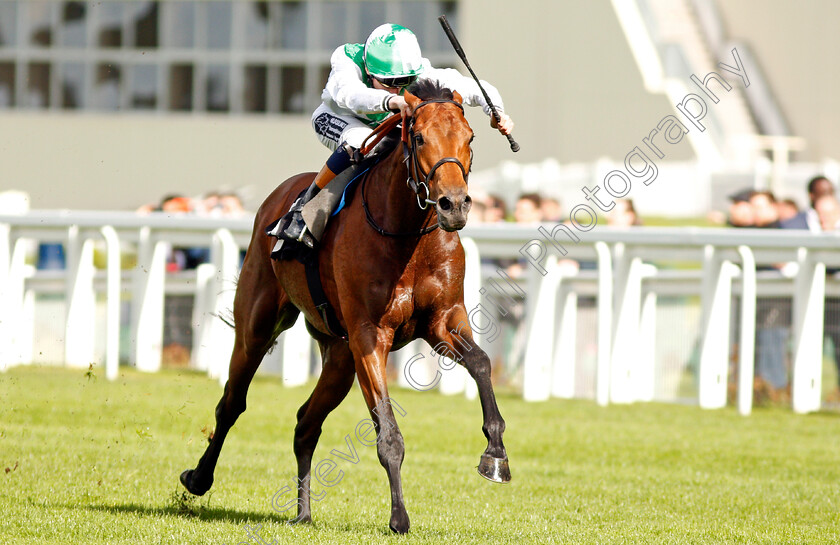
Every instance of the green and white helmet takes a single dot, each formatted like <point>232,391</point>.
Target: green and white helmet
<point>392,51</point>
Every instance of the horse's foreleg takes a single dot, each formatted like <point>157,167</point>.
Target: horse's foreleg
<point>332,387</point>
<point>371,357</point>
<point>452,336</point>
<point>257,323</point>
<point>494,462</point>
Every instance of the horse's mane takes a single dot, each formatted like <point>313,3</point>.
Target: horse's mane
<point>427,89</point>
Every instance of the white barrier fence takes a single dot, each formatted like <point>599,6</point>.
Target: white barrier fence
<point>714,264</point>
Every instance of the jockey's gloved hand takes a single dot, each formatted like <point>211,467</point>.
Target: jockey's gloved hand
<point>396,103</point>
<point>506,125</point>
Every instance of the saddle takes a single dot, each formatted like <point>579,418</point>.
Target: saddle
<point>328,202</point>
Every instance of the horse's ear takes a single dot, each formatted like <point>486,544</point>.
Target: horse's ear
<point>412,100</point>
<point>457,97</point>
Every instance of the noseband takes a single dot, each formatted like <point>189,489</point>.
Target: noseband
<point>413,162</point>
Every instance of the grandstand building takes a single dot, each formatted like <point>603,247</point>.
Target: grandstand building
<point>112,104</point>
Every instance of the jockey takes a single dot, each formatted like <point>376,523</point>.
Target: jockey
<point>366,84</point>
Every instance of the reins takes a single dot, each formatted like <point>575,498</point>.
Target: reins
<point>379,133</point>
<point>424,231</point>
<point>410,141</point>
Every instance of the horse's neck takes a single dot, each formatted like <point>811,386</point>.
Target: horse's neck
<point>393,204</point>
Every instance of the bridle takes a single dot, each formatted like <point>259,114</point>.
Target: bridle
<point>411,160</point>
<point>410,143</point>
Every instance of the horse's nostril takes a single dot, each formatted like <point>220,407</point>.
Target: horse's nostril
<point>445,204</point>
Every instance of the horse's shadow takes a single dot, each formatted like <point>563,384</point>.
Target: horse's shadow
<point>233,516</point>
<point>208,514</point>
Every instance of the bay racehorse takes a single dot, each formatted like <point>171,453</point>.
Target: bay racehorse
<point>386,290</point>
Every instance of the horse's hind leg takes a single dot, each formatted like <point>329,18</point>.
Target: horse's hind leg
<point>332,387</point>
<point>261,312</point>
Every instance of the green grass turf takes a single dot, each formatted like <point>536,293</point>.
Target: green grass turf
<point>96,462</point>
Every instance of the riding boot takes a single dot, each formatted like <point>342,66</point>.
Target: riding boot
<point>294,227</point>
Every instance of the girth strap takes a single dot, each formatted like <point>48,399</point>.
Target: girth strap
<point>319,297</point>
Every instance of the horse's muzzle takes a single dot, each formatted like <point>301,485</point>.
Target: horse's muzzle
<point>452,211</point>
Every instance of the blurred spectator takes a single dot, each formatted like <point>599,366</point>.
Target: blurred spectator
<point>175,204</point>
<point>551,210</point>
<point>772,316</point>
<point>496,209</point>
<point>828,212</point>
<point>480,202</point>
<point>478,211</point>
<point>822,215</point>
<point>741,212</point>
<point>214,204</point>
<point>146,209</point>
<point>786,209</point>
<point>178,334</point>
<point>209,205</point>
<point>528,209</point>
<point>819,189</point>
<point>231,205</point>
<point>178,309</point>
<point>623,214</point>
<point>757,209</point>
<point>765,213</point>
<point>818,186</point>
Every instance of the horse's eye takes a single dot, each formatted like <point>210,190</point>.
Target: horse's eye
<point>418,140</point>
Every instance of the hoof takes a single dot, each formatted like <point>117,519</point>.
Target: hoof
<point>188,480</point>
<point>301,520</point>
<point>494,469</point>
<point>399,524</point>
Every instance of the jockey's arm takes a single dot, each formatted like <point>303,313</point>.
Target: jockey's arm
<point>472,95</point>
<point>346,88</point>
